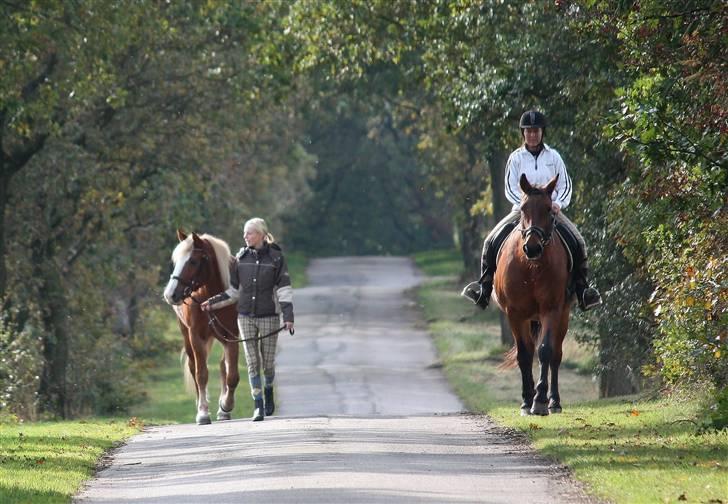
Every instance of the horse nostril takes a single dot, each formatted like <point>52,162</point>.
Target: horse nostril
<point>532,252</point>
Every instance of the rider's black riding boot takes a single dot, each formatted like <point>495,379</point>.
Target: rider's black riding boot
<point>270,405</point>
<point>588,297</point>
<point>479,292</point>
<point>258,413</point>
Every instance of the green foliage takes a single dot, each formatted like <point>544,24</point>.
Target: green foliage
<point>131,122</point>
<point>669,212</point>
<point>20,367</point>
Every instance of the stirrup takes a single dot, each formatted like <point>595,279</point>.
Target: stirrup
<point>475,292</point>
<point>590,298</point>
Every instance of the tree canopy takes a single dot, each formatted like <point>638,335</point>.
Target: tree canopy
<point>356,127</point>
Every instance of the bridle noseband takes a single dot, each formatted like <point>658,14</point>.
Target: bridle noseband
<point>544,236</point>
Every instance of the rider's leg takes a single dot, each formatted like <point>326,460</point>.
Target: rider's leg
<point>587,296</point>
<point>479,292</point>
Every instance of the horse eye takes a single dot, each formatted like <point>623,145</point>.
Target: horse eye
<point>193,262</point>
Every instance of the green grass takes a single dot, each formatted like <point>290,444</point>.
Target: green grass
<point>446,262</point>
<point>47,462</point>
<point>297,263</point>
<point>627,450</point>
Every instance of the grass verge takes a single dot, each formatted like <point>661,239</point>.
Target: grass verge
<point>627,450</point>
<point>46,462</point>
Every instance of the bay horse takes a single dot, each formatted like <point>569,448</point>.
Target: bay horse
<point>202,269</point>
<point>530,287</point>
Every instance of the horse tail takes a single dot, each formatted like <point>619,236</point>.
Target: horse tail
<point>510,359</point>
<point>189,380</point>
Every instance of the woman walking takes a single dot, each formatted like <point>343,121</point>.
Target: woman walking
<point>261,286</point>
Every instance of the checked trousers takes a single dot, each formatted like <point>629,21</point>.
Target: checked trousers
<point>259,353</point>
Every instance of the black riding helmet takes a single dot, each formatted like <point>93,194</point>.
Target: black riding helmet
<point>532,119</point>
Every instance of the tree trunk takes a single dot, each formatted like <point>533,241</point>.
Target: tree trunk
<point>4,182</point>
<point>53,387</point>
<point>617,382</point>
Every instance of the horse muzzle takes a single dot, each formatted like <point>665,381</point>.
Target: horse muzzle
<point>533,252</point>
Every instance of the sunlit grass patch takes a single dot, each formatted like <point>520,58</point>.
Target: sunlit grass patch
<point>440,262</point>
<point>632,450</point>
<point>48,461</point>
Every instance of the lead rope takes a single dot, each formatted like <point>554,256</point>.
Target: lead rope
<point>214,321</point>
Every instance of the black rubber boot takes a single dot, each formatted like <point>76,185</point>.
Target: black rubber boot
<point>270,405</point>
<point>258,413</point>
<point>478,293</point>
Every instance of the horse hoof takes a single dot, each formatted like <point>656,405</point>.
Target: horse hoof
<point>222,414</point>
<point>203,419</point>
<point>539,409</point>
<point>555,409</point>
<point>525,412</point>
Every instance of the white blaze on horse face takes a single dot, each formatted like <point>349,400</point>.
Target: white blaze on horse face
<point>172,284</point>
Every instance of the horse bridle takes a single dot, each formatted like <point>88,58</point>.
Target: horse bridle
<point>192,285</point>
<point>543,236</point>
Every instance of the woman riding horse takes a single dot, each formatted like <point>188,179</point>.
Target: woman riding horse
<point>540,163</point>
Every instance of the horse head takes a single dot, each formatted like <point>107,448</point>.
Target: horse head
<point>537,217</point>
<point>191,268</point>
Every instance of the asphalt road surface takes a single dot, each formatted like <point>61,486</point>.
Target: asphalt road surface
<point>362,418</point>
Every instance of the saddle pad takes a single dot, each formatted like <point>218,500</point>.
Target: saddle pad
<point>570,262</point>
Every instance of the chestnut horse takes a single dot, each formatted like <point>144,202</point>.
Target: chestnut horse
<point>530,286</point>
<point>201,270</point>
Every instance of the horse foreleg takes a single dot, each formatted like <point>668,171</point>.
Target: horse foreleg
<point>559,335</point>
<point>524,356</point>
<point>229,378</point>
<point>545,354</point>
<point>201,378</point>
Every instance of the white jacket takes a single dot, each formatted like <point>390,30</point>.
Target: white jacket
<point>539,171</point>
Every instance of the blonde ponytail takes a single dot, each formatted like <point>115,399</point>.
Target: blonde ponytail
<point>259,225</point>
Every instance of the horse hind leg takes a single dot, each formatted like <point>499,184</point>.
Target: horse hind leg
<point>554,397</point>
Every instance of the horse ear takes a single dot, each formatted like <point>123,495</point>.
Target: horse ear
<point>196,240</point>
<point>551,185</point>
<point>525,184</point>
<point>181,234</point>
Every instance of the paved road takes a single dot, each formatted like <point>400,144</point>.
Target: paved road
<point>362,418</point>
